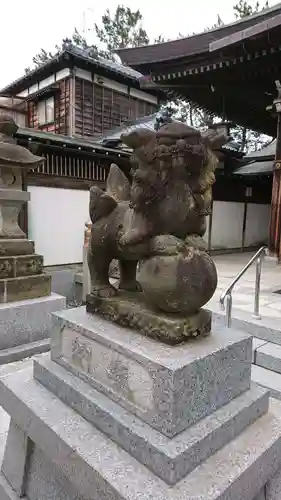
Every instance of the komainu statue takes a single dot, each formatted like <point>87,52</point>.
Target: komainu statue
<point>157,220</point>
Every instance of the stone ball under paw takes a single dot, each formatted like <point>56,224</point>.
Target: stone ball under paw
<point>181,283</point>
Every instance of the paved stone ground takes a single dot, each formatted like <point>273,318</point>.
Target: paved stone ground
<point>228,266</point>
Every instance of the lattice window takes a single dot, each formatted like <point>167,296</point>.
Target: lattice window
<point>69,166</point>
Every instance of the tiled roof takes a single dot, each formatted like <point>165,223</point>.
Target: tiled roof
<point>255,168</point>
<point>67,141</point>
<point>83,55</point>
<point>191,45</point>
<point>105,63</point>
<point>266,152</point>
<point>112,138</point>
<point>258,162</point>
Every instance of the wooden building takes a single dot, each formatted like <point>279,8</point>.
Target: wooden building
<point>230,71</point>
<point>61,108</point>
<point>76,95</point>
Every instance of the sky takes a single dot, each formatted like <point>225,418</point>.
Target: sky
<point>28,26</point>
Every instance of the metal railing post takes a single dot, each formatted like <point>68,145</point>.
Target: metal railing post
<point>226,296</point>
<point>228,309</point>
<point>256,314</point>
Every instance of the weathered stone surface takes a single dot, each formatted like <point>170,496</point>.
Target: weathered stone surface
<point>46,478</point>
<point>27,321</point>
<point>11,201</point>
<point>7,267</point>
<point>16,247</point>
<point>28,265</point>
<point>23,288</point>
<point>171,388</point>
<point>170,459</point>
<point>6,491</point>
<point>17,451</point>
<point>170,195</point>
<point>179,283</point>
<point>269,356</point>
<point>22,351</point>
<point>96,467</point>
<point>21,265</point>
<point>273,487</point>
<point>134,311</point>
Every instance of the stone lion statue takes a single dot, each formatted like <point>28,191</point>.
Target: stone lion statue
<point>163,207</point>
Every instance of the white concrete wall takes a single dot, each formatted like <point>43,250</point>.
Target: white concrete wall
<point>56,222</point>
<point>227,225</point>
<point>257,224</point>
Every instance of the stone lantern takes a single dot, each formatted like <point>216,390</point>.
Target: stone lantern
<point>21,274</point>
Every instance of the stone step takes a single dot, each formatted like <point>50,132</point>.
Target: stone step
<point>24,351</point>
<point>20,265</point>
<point>70,443</point>
<point>256,344</point>
<point>24,287</point>
<point>269,356</point>
<point>266,328</point>
<point>267,379</point>
<point>170,459</point>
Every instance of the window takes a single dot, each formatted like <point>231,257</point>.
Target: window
<point>46,111</point>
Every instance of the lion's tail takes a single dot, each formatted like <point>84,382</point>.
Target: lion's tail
<point>117,189</point>
<point>117,184</point>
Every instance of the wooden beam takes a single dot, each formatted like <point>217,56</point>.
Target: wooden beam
<point>38,179</point>
<point>275,216</point>
<point>242,35</point>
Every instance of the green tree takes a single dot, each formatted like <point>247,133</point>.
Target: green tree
<point>43,56</point>
<point>122,29</point>
<point>244,8</point>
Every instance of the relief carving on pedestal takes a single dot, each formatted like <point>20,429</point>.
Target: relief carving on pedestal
<point>81,354</point>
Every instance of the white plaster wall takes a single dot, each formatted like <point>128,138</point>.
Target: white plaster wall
<point>56,219</point>
<point>206,235</point>
<point>257,224</point>
<point>227,225</point>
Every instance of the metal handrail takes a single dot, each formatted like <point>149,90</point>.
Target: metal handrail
<point>226,296</point>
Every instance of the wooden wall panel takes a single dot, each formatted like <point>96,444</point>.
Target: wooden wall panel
<point>99,109</point>
<point>62,109</point>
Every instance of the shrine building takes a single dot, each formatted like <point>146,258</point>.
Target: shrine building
<point>234,72</point>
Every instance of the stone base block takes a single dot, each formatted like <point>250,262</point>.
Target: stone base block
<point>6,491</point>
<point>16,247</point>
<point>20,265</point>
<point>27,321</point>
<point>134,311</point>
<point>170,459</point>
<point>24,288</point>
<point>170,388</point>
<point>65,457</point>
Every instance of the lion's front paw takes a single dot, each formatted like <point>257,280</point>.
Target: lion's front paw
<point>133,286</point>
<point>104,291</point>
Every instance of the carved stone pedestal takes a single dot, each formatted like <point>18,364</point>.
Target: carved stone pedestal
<point>21,276</point>
<point>21,270</point>
<point>114,415</point>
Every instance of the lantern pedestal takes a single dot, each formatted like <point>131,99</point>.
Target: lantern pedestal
<point>22,278</point>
